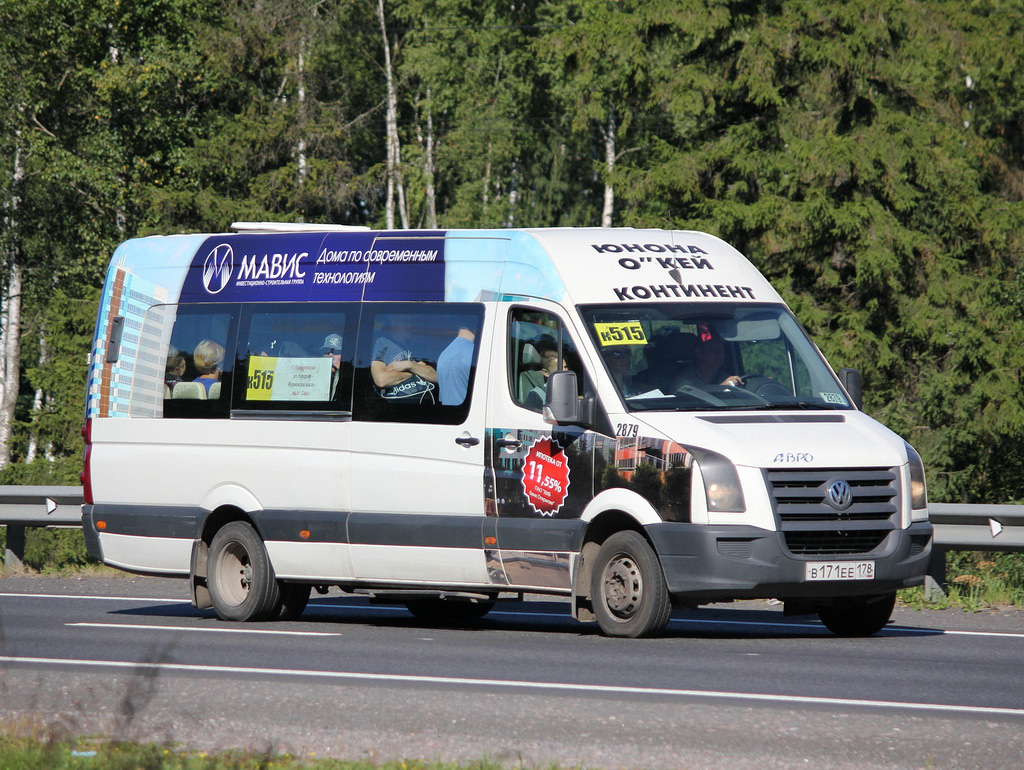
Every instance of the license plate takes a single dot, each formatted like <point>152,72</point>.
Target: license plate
<point>839,570</point>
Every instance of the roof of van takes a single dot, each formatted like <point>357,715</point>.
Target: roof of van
<point>276,261</point>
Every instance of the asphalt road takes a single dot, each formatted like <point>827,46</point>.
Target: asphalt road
<point>728,686</point>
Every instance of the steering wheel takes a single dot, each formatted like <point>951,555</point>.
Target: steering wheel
<point>762,385</point>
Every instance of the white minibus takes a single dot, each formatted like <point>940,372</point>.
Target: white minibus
<point>632,419</point>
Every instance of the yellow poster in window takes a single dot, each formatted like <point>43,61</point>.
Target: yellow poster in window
<point>261,378</point>
<point>620,333</point>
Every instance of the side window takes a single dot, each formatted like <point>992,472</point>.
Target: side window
<point>198,361</point>
<point>416,362</point>
<point>538,345</point>
<point>142,363</point>
<point>296,358</point>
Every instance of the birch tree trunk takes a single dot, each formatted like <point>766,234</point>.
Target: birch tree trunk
<point>487,180</point>
<point>12,359</point>
<point>394,150</point>
<point>428,168</point>
<point>300,149</point>
<point>609,163</point>
<point>120,217</point>
<point>10,323</point>
<point>37,403</point>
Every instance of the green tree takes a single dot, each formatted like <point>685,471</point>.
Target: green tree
<point>831,144</point>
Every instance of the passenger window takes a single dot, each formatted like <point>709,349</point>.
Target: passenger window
<point>198,361</point>
<point>538,345</point>
<point>296,358</point>
<point>416,362</point>
<point>135,383</point>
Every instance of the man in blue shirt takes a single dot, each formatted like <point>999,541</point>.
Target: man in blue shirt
<point>453,367</point>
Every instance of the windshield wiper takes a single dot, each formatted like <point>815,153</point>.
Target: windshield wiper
<point>810,405</point>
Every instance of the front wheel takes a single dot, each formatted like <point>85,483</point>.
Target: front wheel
<point>628,589</point>
<point>858,615</point>
<point>240,578</point>
<point>294,598</point>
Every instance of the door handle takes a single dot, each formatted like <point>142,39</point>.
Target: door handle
<point>508,443</point>
<point>467,441</point>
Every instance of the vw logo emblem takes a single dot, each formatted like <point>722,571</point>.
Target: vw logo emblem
<point>217,268</point>
<point>839,495</point>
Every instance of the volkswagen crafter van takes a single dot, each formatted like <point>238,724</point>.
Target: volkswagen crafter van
<point>632,419</point>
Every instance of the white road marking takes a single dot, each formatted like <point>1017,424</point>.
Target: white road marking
<point>239,630</point>
<point>699,621</point>
<point>596,689</point>
<point>104,598</point>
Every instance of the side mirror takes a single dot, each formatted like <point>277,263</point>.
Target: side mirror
<point>562,404</point>
<point>851,380</point>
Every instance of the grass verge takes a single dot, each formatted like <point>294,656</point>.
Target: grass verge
<point>25,753</point>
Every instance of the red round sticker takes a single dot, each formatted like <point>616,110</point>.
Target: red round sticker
<point>546,476</point>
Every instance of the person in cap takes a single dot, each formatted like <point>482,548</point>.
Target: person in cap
<point>332,347</point>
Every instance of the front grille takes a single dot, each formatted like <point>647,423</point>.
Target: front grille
<point>815,526</point>
<point>835,542</point>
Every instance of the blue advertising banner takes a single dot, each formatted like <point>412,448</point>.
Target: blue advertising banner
<point>312,267</point>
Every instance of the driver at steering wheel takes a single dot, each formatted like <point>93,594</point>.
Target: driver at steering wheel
<point>708,357</point>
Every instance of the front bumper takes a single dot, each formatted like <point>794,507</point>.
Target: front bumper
<point>715,563</point>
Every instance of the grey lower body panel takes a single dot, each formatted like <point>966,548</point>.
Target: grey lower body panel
<point>715,563</point>
<point>92,537</point>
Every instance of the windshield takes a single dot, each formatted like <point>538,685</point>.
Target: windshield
<point>689,357</point>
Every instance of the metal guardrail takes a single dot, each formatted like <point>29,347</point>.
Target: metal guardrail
<point>41,506</point>
<point>25,506</point>
<point>970,527</point>
<point>963,527</point>
<point>958,527</point>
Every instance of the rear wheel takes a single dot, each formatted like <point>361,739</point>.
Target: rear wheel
<point>240,579</point>
<point>448,610</point>
<point>858,615</point>
<point>628,589</point>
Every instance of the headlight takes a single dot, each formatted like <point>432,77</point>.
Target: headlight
<point>721,482</point>
<point>918,489</point>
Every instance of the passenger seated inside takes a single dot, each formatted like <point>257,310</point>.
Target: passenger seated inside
<point>332,347</point>
<point>174,371</point>
<point>208,359</point>
<point>670,359</point>
<point>530,375</point>
<point>548,364</point>
<point>453,367</point>
<point>619,360</point>
<point>399,376</point>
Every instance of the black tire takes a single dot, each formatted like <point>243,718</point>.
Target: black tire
<point>858,615</point>
<point>628,589</point>
<point>294,598</point>
<point>241,581</point>
<point>448,610</point>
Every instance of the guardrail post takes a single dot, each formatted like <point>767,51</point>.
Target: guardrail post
<point>14,553</point>
<point>935,578</point>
